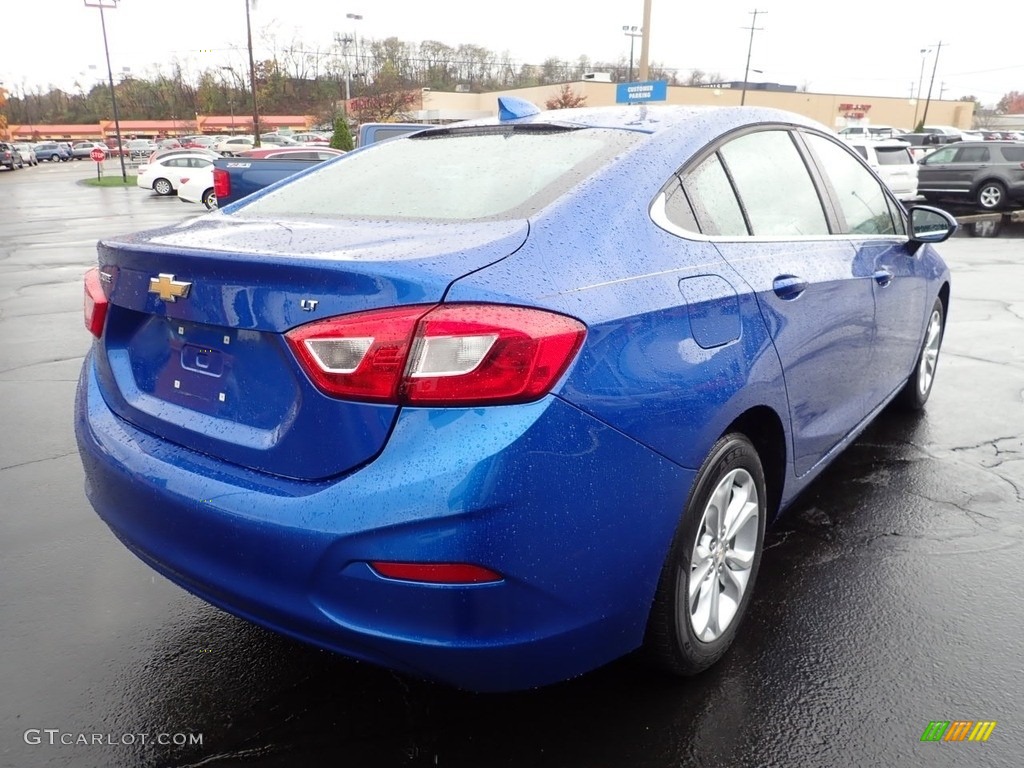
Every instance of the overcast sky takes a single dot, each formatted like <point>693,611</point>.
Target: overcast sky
<point>831,47</point>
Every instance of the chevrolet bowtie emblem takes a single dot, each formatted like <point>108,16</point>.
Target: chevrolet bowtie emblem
<point>167,288</point>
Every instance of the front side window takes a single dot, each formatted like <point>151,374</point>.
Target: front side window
<point>940,157</point>
<point>774,185</point>
<point>861,198</point>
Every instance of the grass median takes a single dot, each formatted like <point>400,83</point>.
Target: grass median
<point>110,181</point>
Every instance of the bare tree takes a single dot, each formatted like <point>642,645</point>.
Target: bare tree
<point>385,98</point>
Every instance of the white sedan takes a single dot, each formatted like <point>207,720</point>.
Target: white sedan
<point>234,145</point>
<point>162,175</point>
<point>196,186</point>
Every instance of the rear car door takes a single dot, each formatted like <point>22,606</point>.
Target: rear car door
<point>967,165</point>
<point>756,198</point>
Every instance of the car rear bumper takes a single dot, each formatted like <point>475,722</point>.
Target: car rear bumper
<point>578,533</point>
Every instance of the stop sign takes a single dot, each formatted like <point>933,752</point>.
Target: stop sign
<point>98,154</point>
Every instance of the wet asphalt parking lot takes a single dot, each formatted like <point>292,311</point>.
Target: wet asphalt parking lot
<point>889,595</point>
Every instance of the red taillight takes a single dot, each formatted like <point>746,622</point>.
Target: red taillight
<point>95,306</point>
<point>451,354</point>
<point>221,183</point>
<point>436,573</point>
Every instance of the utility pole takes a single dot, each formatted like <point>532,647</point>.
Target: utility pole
<point>252,79</point>
<point>750,47</point>
<point>645,42</point>
<point>928,101</point>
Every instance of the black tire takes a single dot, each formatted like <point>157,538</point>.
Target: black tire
<point>209,199</point>
<point>991,195</point>
<point>54,158</point>
<point>915,392</point>
<point>163,187</point>
<point>671,642</point>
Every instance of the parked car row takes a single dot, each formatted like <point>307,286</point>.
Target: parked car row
<point>972,167</point>
<point>189,172</point>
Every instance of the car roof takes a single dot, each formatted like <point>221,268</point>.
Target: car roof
<point>1003,143</point>
<point>649,119</point>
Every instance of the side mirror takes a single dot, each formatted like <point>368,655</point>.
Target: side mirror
<point>930,225</point>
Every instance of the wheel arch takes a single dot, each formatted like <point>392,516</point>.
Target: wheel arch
<point>764,428</point>
<point>989,180</point>
<point>944,298</point>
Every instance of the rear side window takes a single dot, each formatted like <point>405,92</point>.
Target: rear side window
<point>973,155</point>
<point>894,156</point>
<point>862,151</point>
<point>714,201</point>
<point>1013,154</point>
<point>451,174</point>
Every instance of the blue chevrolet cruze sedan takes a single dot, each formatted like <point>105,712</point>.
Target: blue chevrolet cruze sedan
<point>498,402</point>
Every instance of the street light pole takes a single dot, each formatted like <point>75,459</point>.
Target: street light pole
<point>920,84</point>
<point>750,47</point>
<point>110,76</point>
<point>231,95</point>
<point>632,34</point>
<point>348,66</point>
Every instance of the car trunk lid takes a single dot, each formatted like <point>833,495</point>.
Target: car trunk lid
<point>194,351</point>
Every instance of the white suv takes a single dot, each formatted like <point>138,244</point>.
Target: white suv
<point>873,132</point>
<point>892,160</point>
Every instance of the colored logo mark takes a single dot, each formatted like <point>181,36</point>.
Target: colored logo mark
<point>958,730</point>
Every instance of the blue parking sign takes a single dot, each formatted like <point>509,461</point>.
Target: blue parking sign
<point>630,93</point>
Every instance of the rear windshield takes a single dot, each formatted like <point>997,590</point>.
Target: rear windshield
<point>894,156</point>
<point>489,172</point>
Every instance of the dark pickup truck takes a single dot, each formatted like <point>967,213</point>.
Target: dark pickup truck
<point>236,177</point>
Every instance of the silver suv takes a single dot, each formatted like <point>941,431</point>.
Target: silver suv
<point>988,173</point>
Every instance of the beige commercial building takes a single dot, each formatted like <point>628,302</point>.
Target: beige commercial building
<point>833,109</point>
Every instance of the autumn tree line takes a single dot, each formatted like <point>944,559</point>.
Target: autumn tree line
<point>295,80</point>
<point>381,75</point>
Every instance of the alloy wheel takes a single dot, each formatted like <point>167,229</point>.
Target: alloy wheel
<point>930,353</point>
<point>723,555</point>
